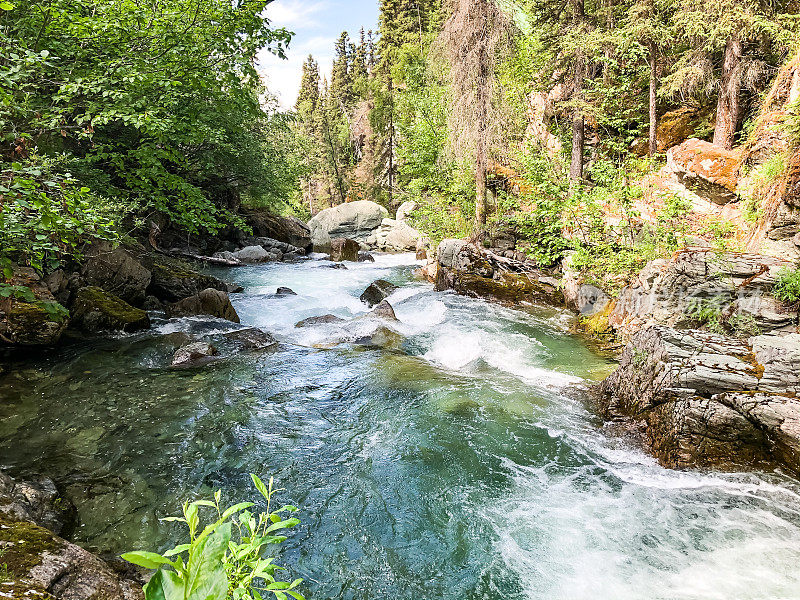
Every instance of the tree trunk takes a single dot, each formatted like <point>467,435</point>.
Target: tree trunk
<point>578,134</point>
<point>653,148</point>
<point>728,106</point>
<point>481,166</point>
<point>576,164</point>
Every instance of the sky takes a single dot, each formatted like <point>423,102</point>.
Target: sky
<point>317,24</point>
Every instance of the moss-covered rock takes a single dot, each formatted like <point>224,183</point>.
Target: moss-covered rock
<point>117,271</point>
<point>42,565</point>
<point>173,280</point>
<point>23,322</point>
<point>95,309</point>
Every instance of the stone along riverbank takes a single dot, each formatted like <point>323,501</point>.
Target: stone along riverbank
<point>449,451</point>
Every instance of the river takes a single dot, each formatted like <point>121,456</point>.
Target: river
<point>460,463</point>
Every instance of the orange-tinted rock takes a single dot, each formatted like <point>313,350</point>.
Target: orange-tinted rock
<point>674,127</point>
<point>708,170</point>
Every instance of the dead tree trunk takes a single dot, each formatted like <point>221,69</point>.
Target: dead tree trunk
<point>728,104</point>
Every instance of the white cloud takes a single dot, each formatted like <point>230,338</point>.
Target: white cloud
<point>283,76</point>
<point>295,14</point>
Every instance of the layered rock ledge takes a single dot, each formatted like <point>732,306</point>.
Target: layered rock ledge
<point>710,400</point>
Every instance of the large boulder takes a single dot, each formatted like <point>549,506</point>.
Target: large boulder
<point>708,170</point>
<point>669,292</point>
<point>30,316</point>
<point>472,271</point>
<point>343,249</point>
<point>210,302</point>
<point>394,236</point>
<point>352,220</point>
<point>710,400</point>
<point>289,230</point>
<point>118,271</point>
<point>95,309</point>
<point>174,279</point>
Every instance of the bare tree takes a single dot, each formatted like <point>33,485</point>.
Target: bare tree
<point>473,37</point>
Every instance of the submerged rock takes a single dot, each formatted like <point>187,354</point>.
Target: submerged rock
<point>377,291</point>
<point>37,501</point>
<point>208,302</point>
<point>95,309</point>
<point>194,354</point>
<point>383,337</point>
<point>365,257</point>
<point>710,400</point>
<point>344,249</point>
<point>322,320</point>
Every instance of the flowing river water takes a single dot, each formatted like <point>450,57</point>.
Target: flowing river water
<point>459,463</point>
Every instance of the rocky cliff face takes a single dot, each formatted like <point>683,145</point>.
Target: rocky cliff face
<point>710,400</point>
<point>732,288</point>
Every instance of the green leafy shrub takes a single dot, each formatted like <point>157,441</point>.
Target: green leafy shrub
<point>47,216</point>
<point>226,558</point>
<point>707,313</point>
<point>787,288</point>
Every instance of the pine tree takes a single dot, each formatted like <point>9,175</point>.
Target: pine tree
<point>308,97</point>
<point>728,42</point>
<point>341,89</point>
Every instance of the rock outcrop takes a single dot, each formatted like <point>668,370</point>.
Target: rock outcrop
<point>709,171</point>
<point>471,271</point>
<point>38,563</point>
<point>208,302</point>
<point>735,285</point>
<point>95,310</point>
<point>710,400</point>
<point>352,220</point>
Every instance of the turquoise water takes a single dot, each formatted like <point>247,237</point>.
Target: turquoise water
<point>461,462</point>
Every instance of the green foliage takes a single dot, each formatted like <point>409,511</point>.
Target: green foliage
<point>47,216</point>
<point>708,313</point>
<point>156,107</point>
<point>225,559</point>
<point>787,288</point>
<point>757,185</point>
